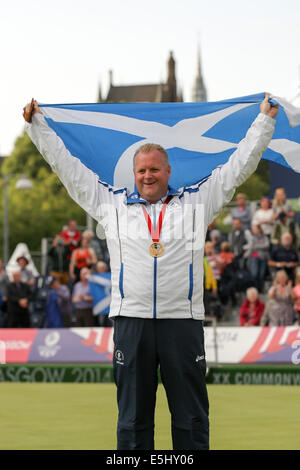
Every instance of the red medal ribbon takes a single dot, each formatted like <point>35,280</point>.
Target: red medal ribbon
<point>155,234</point>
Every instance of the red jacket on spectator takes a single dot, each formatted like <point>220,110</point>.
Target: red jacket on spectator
<point>71,238</point>
<point>251,318</point>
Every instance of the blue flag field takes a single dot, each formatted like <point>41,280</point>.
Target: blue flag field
<point>197,136</point>
<point>100,288</point>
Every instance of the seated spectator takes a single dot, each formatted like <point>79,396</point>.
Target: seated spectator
<point>101,267</point>
<point>279,310</point>
<point>213,260</point>
<point>83,300</point>
<point>227,286</point>
<point>216,239</point>
<point>71,236</point>
<point>285,256</point>
<point>59,259</point>
<point>240,240</point>
<point>242,211</point>
<point>252,308</point>
<point>226,256</point>
<point>212,304</point>
<point>82,257</point>
<point>296,291</point>
<point>210,283</point>
<point>18,297</point>
<point>280,204</point>
<point>259,255</point>
<point>264,216</point>
<point>285,225</point>
<point>26,275</point>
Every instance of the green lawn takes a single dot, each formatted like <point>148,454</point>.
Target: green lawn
<point>83,416</point>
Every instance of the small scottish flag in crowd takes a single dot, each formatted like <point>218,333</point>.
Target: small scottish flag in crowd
<point>197,136</point>
<point>100,288</point>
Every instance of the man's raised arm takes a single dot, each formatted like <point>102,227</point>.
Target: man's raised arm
<point>81,183</point>
<point>243,162</point>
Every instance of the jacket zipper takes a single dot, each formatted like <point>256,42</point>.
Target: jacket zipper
<point>154,271</point>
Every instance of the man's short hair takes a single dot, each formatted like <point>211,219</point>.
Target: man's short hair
<point>147,148</point>
<point>241,195</point>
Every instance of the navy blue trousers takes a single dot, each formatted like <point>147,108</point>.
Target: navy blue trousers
<point>177,347</point>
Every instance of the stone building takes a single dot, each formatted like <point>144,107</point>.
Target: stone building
<point>155,92</point>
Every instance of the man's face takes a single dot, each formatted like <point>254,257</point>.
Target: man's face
<point>241,201</point>
<point>264,204</point>
<point>17,276</point>
<point>286,240</point>
<point>83,273</point>
<point>72,225</point>
<point>22,263</point>
<point>151,174</point>
<point>55,284</point>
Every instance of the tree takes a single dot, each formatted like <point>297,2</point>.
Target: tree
<point>257,185</point>
<point>42,211</point>
<point>255,188</point>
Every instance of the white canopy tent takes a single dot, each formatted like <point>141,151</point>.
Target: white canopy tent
<point>12,265</point>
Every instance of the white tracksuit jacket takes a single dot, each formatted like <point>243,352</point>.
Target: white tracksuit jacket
<point>142,286</point>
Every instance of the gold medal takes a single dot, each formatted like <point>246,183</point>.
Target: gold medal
<point>156,249</point>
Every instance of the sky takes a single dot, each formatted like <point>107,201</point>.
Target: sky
<point>59,51</point>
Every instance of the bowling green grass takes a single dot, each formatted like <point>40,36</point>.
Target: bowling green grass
<point>84,416</point>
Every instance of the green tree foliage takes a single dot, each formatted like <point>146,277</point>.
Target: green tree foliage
<point>257,185</point>
<point>255,188</point>
<point>25,158</point>
<point>42,211</point>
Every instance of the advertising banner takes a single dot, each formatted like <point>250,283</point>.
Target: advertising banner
<point>57,373</point>
<point>16,344</point>
<point>73,345</point>
<point>224,345</point>
<point>247,345</point>
<point>60,345</point>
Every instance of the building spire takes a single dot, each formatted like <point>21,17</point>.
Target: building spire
<point>99,98</point>
<point>199,90</point>
<point>171,83</point>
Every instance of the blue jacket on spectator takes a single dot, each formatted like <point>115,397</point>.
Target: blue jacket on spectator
<point>53,313</point>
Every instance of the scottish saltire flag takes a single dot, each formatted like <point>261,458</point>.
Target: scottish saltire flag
<point>198,136</point>
<point>100,288</point>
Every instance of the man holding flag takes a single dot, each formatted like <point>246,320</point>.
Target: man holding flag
<point>155,238</point>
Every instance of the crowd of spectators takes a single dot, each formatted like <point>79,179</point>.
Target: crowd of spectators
<point>254,270</point>
<point>61,298</point>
